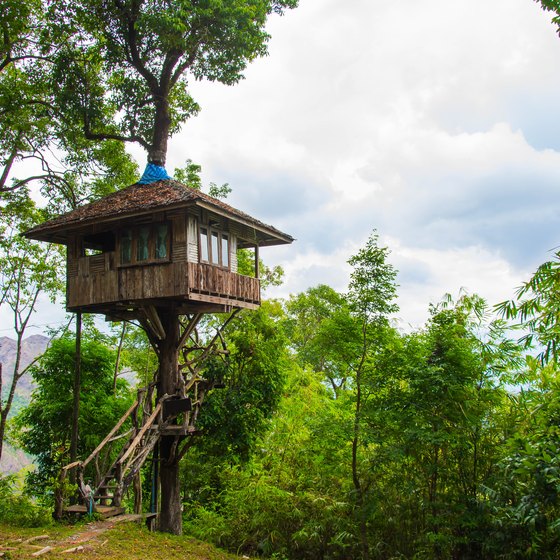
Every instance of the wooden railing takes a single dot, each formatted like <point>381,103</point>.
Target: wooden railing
<point>213,280</point>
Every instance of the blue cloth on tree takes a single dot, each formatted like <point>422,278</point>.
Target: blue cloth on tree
<point>153,173</point>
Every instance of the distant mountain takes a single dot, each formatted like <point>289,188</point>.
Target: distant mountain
<point>32,347</point>
<point>14,459</point>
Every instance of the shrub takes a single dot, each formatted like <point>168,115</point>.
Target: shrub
<point>19,510</point>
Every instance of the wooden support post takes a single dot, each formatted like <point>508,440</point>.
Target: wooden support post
<point>257,265</point>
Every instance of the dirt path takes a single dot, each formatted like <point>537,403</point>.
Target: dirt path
<point>96,528</point>
<point>89,537</point>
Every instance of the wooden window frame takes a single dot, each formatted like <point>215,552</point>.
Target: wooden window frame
<point>151,245</point>
<point>210,231</point>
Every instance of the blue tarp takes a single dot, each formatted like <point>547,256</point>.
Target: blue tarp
<point>153,173</point>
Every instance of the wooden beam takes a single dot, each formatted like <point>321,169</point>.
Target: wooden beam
<point>77,388</point>
<point>141,433</point>
<point>193,322</point>
<point>154,322</point>
<point>228,302</point>
<point>110,434</point>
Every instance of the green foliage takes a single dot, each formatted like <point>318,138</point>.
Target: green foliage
<point>536,310</point>
<point>372,287</point>
<point>127,64</point>
<point>19,510</point>
<point>323,333</point>
<point>524,494</point>
<point>268,276</point>
<point>37,119</point>
<point>45,425</point>
<point>189,175</point>
<point>27,271</point>
<point>253,376</point>
<point>280,503</point>
<point>552,6</point>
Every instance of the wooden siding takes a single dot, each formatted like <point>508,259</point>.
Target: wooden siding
<point>179,239</point>
<point>233,252</point>
<point>96,281</point>
<point>212,280</point>
<point>100,284</point>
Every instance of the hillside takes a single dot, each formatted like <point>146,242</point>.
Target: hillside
<point>15,459</point>
<point>32,347</point>
<point>105,539</point>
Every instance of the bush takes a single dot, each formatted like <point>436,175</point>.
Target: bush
<point>19,510</point>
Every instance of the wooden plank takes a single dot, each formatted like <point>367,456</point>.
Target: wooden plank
<point>223,301</point>
<point>152,315</point>
<point>140,434</point>
<point>103,511</point>
<point>110,434</point>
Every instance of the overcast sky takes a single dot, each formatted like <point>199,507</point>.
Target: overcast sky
<point>436,122</point>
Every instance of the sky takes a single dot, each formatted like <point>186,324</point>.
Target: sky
<point>434,122</point>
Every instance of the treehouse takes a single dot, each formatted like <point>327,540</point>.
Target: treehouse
<point>157,245</point>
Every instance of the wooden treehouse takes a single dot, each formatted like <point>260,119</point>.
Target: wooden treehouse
<point>155,244</point>
<point>161,254</point>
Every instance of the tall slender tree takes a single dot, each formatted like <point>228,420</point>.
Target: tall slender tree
<point>371,294</point>
<point>27,270</point>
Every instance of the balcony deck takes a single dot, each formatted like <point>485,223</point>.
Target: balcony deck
<point>96,285</point>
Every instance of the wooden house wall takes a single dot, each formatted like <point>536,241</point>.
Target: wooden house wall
<point>178,238</point>
<point>98,280</point>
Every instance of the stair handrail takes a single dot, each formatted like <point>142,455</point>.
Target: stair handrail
<point>144,429</point>
<point>111,434</point>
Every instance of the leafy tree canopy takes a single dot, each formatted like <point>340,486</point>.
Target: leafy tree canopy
<point>143,53</point>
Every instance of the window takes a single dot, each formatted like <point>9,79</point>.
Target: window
<point>97,244</point>
<point>204,245</point>
<point>225,250</point>
<point>161,241</point>
<point>126,246</point>
<point>144,244</point>
<point>214,247</point>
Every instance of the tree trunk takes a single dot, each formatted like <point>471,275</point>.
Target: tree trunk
<point>137,493</point>
<point>7,405</point>
<point>170,518</point>
<point>162,124</point>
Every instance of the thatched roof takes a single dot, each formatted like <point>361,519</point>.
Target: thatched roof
<point>139,199</point>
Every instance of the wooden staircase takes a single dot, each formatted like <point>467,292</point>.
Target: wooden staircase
<point>172,415</point>
<point>149,424</point>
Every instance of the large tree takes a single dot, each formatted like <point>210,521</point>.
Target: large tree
<point>144,52</point>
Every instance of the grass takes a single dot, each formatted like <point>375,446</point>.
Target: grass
<point>104,541</point>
